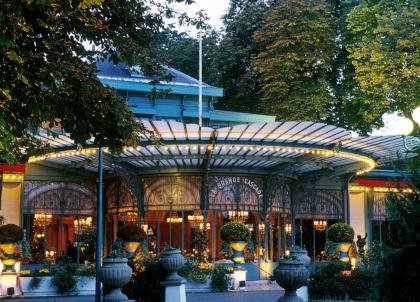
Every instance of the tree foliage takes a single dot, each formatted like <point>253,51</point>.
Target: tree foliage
<point>180,51</point>
<point>236,75</point>
<point>48,75</point>
<point>384,50</point>
<point>298,44</point>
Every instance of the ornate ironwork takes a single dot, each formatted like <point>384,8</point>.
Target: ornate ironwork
<point>65,198</point>
<point>119,198</point>
<point>279,197</point>
<point>319,204</point>
<point>234,193</point>
<point>183,192</point>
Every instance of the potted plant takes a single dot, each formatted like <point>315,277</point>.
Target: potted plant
<point>131,234</point>
<point>10,235</point>
<point>237,234</point>
<point>115,273</point>
<point>342,234</point>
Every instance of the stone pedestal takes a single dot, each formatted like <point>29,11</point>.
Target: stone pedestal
<point>239,275</point>
<point>303,293</point>
<point>172,261</point>
<point>174,291</point>
<point>9,280</point>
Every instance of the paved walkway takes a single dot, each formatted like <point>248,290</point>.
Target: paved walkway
<point>260,296</point>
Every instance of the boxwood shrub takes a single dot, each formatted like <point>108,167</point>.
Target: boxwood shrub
<point>340,232</point>
<point>235,231</point>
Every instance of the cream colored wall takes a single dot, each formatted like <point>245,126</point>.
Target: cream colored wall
<point>10,202</point>
<point>358,213</point>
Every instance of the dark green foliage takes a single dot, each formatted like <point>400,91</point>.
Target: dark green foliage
<point>87,241</point>
<point>180,51</point>
<point>131,232</point>
<point>64,277</point>
<point>297,43</point>
<point>220,281</point>
<point>239,80</point>
<point>340,232</point>
<point>145,283</point>
<point>234,231</point>
<point>65,282</point>
<point>48,75</point>
<point>400,269</point>
<point>10,233</point>
<point>327,282</point>
<point>118,250</point>
<point>200,244</point>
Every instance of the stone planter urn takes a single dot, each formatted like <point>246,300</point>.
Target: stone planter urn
<point>291,274</point>
<point>301,254</point>
<point>172,261</point>
<point>115,273</point>
<point>343,249</point>
<point>131,248</point>
<point>238,251</point>
<point>10,260</point>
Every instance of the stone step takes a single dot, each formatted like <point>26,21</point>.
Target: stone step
<point>262,285</point>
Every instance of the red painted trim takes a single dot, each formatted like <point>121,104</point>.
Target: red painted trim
<point>381,183</point>
<point>20,168</point>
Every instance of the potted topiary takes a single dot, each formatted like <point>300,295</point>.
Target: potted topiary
<point>237,234</point>
<point>115,272</point>
<point>131,234</point>
<point>10,235</point>
<point>342,234</point>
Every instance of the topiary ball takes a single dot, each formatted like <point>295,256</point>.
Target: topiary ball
<point>235,231</point>
<point>10,233</point>
<point>340,232</point>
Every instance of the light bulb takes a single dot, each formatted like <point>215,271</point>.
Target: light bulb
<point>406,126</point>
<point>416,115</point>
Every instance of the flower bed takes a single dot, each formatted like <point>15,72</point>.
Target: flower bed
<point>44,288</point>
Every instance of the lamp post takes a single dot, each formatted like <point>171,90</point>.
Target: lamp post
<point>170,201</point>
<point>406,127</point>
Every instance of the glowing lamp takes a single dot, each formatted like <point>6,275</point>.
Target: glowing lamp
<point>406,126</point>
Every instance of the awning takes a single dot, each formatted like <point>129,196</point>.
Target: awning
<point>300,148</point>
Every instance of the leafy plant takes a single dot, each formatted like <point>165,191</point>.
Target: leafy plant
<point>64,281</point>
<point>340,232</point>
<point>25,251</point>
<point>118,250</point>
<point>235,231</point>
<point>326,281</point>
<point>131,232</point>
<point>87,241</point>
<point>220,280</point>
<point>145,285</point>
<point>196,271</point>
<point>89,270</point>
<point>10,233</point>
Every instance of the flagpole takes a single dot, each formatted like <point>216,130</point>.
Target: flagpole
<point>200,79</point>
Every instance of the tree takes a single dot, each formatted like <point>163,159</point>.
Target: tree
<point>233,58</point>
<point>404,246</point>
<point>180,51</point>
<point>384,49</point>
<point>47,75</point>
<point>298,45</point>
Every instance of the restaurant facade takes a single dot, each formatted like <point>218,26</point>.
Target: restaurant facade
<point>286,180</point>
